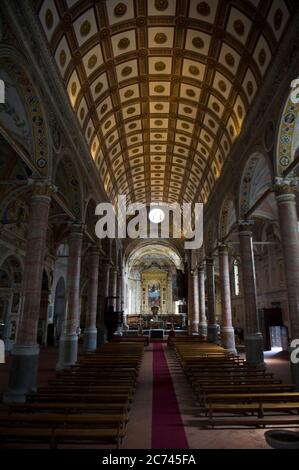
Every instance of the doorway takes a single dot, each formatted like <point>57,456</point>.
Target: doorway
<point>274,332</point>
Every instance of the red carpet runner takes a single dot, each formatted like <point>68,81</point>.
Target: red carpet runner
<point>167,426</point>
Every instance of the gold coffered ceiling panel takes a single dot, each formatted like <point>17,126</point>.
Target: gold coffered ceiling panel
<point>161,88</point>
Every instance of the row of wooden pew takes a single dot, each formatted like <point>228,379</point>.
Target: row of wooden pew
<point>230,392</point>
<point>134,339</point>
<point>85,404</point>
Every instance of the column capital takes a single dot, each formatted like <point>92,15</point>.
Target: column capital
<point>222,248</point>
<point>245,225</point>
<point>76,230</point>
<point>210,260</point>
<point>285,186</point>
<point>94,250</point>
<point>42,187</point>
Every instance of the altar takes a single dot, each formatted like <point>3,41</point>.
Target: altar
<point>160,321</point>
<point>156,333</point>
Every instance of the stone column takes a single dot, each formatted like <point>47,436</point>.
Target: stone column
<point>113,286</point>
<point>253,338</point>
<point>202,328</point>
<point>125,298</point>
<point>90,333</point>
<point>104,293</point>
<point>212,326</point>
<point>288,221</point>
<point>119,300</point>
<point>190,303</point>
<point>227,330</point>
<point>119,291</point>
<point>169,294</point>
<point>195,292</point>
<point>25,352</point>
<point>138,298</point>
<point>125,293</point>
<point>68,344</point>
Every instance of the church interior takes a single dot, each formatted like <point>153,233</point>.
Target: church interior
<point>141,342</point>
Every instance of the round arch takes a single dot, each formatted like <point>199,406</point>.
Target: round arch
<point>227,216</point>
<point>287,142</point>
<point>24,120</point>
<point>89,216</point>
<point>210,238</point>
<point>257,177</point>
<point>133,251</point>
<point>9,254</point>
<point>67,178</point>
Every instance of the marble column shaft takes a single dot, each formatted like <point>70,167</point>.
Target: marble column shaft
<point>72,320</point>
<point>288,222</point>
<point>190,303</point>
<point>90,332</point>
<point>253,338</point>
<point>195,292</point>
<point>119,293</point>
<point>24,366</point>
<point>68,344</point>
<point>33,269</point>
<point>202,302</point>
<point>227,330</point>
<point>212,326</point>
<point>249,280</point>
<point>113,287</point>
<point>105,266</point>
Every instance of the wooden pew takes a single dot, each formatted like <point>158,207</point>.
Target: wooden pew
<point>60,419</point>
<point>69,407</point>
<point>87,403</point>
<point>249,421</point>
<point>133,339</point>
<point>259,407</point>
<point>55,436</point>
<point>227,384</point>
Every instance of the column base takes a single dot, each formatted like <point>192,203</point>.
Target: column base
<point>228,338</point>
<point>194,328</point>
<point>9,344</point>
<point>254,349</point>
<point>68,351</point>
<point>294,365</point>
<point>213,334</point>
<point>203,329</point>
<point>119,331</point>
<point>90,340</point>
<point>102,335</point>
<point>22,374</point>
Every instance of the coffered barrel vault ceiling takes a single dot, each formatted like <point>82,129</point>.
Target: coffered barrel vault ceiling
<point>161,88</point>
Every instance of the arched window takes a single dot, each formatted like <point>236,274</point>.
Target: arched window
<point>236,278</point>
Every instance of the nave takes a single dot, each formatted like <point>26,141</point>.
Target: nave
<point>158,396</point>
<point>168,106</point>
